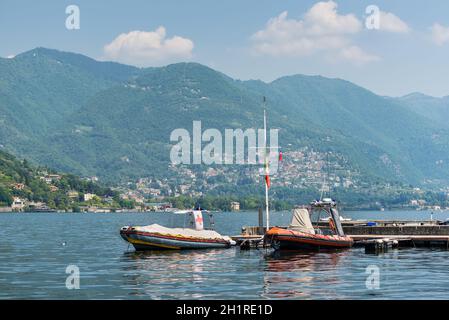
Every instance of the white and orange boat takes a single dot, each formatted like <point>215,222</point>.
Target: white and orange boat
<point>157,237</point>
<point>302,235</point>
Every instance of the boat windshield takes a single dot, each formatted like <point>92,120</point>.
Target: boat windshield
<point>326,219</point>
<point>192,220</point>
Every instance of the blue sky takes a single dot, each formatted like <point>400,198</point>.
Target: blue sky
<point>250,39</point>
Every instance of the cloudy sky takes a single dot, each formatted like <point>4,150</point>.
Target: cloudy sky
<point>406,51</point>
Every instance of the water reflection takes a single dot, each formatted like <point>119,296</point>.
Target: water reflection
<point>293,274</point>
<point>148,273</point>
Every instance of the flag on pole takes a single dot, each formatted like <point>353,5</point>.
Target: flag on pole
<point>267,175</point>
<point>267,181</point>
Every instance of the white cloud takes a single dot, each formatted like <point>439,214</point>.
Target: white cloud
<point>392,23</point>
<point>323,18</point>
<point>322,29</point>
<point>357,55</point>
<point>148,48</point>
<point>11,56</point>
<point>440,34</point>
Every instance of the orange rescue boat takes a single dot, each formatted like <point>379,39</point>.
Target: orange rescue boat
<point>302,235</point>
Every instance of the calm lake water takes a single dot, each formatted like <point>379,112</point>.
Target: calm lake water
<point>36,248</point>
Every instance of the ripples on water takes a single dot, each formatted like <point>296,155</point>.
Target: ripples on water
<point>36,249</point>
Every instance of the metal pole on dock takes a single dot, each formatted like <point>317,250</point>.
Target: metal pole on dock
<point>266,165</point>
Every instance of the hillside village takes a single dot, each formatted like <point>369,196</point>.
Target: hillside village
<point>65,198</point>
<point>300,170</point>
<point>25,187</point>
<point>305,172</point>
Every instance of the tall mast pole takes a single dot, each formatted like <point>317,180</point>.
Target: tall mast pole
<point>266,164</point>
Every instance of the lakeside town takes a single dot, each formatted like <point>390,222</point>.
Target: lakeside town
<point>300,170</point>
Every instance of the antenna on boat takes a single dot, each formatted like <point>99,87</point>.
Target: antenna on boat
<point>267,177</point>
<point>326,180</point>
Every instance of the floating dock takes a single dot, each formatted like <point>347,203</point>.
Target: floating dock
<point>374,243</point>
<point>381,235</point>
<point>394,228</point>
<point>375,236</point>
<point>247,242</point>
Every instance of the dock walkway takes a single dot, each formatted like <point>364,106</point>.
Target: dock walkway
<point>405,240</point>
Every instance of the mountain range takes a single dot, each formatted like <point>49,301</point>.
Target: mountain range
<point>432,108</point>
<point>87,117</point>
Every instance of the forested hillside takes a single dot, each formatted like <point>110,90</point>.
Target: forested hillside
<point>78,115</point>
<point>20,179</point>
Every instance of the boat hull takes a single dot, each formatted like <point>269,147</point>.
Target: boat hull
<point>153,241</point>
<point>284,239</point>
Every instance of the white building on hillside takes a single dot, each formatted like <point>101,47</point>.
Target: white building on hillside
<point>18,204</point>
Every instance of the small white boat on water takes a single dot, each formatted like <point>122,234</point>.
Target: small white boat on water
<point>157,237</point>
<point>341,219</point>
<point>181,211</point>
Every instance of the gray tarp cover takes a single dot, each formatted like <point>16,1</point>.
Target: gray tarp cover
<point>301,221</point>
